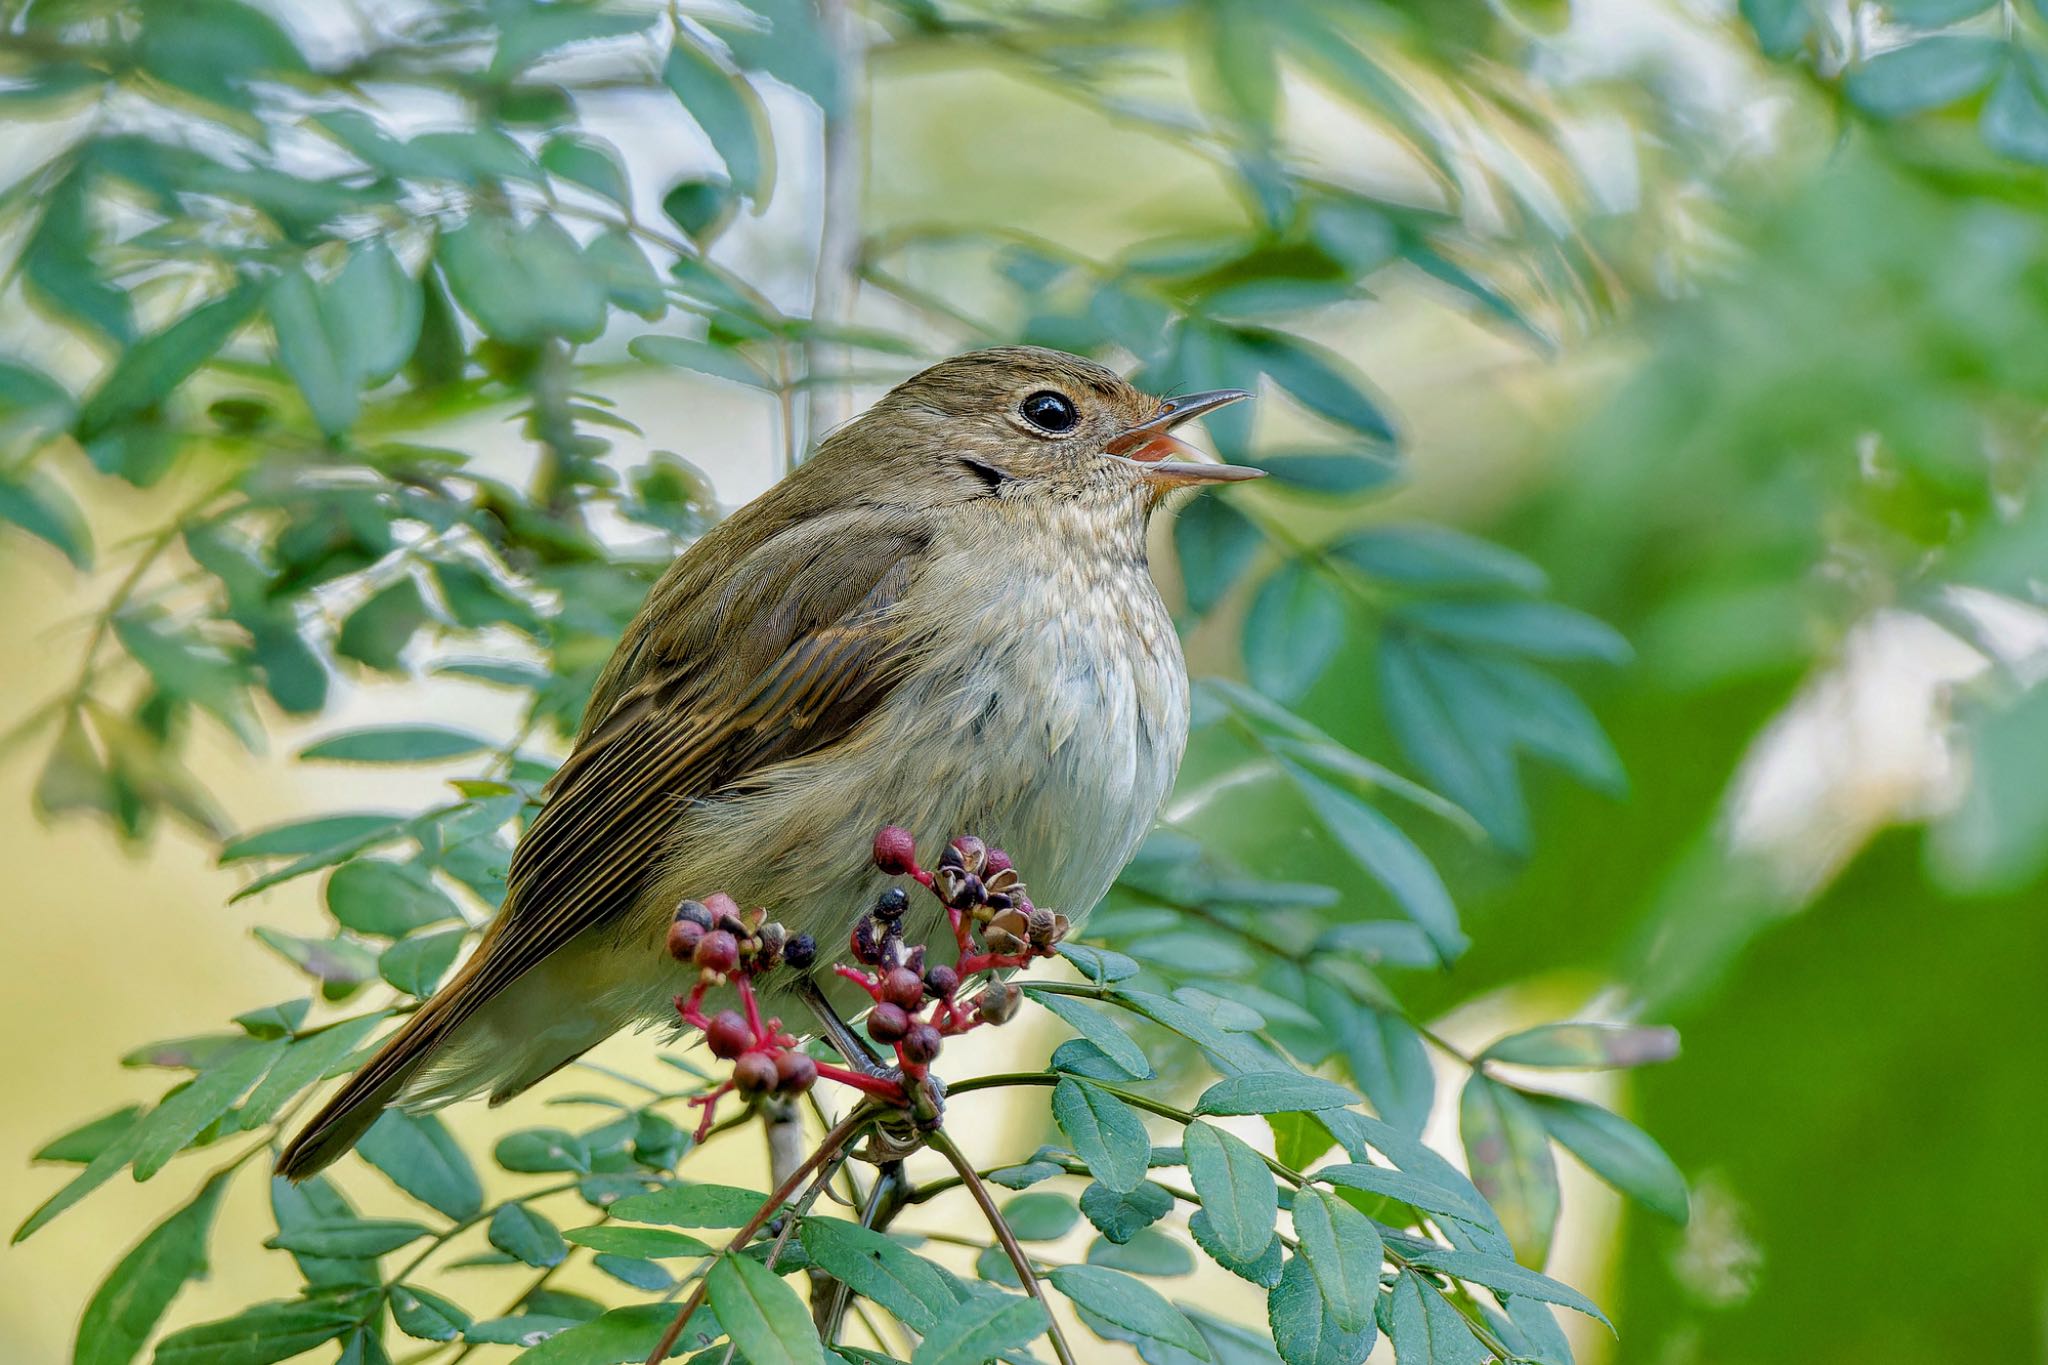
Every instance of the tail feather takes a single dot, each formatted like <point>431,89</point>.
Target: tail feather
<point>344,1119</point>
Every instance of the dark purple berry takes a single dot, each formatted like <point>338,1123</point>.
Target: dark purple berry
<point>683,937</point>
<point>795,1073</point>
<point>921,1044</point>
<point>728,1036</point>
<point>942,981</point>
<point>800,952</point>
<point>717,951</point>
<point>903,987</point>
<point>888,1023</point>
<point>755,1073</point>
<point>891,904</point>
<point>895,850</point>
<point>696,912</point>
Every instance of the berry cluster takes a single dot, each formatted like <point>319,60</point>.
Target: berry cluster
<point>995,928</point>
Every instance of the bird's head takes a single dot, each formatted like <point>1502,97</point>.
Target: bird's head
<point>1030,422</point>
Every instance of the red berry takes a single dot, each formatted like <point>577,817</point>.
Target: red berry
<point>724,911</point>
<point>895,850</point>
<point>921,1043</point>
<point>795,1073</point>
<point>888,1023</point>
<point>998,862</point>
<point>755,1073</point>
<point>901,986</point>
<point>942,981</point>
<point>683,937</point>
<point>717,951</point>
<point>728,1035</point>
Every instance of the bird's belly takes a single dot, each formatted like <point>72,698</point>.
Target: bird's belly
<point>1058,746</point>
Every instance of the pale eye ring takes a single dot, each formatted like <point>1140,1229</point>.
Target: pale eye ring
<point>1049,411</point>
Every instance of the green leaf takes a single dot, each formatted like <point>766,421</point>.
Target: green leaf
<point>1106,1133</point>
<point>1147,1251</point>
<point>1319,380</point>
<point>189,668</point>
<point>1927,74</point>
<point>39,505</point>
<point>523,285</point>
<point>1997,837</point>
<point>1500,1273</point>
<point>1272,1092</point>
<point>518,1231</point>
<point>588,162</point>
<point>149,370</point>
<point>388,899</point>
<point>629,278</point>
<point>1387,1059</point>
<point>1343,1251</point>
<point>1548,631</point>
<point>373,311</point>
<point>310,353</point>
<point>297,838</point>
<point>645,1243</point>
<point>1585,1047</point>
<point>636,1271</point>
<point>275,1021</point>
<point>82,1144</point>
<point>618,1337</point>
<point>1292,630</point>
<point>340,965</point>
<point>364,1346</point>
<point>701,208</point>
<point>1443,738</point>
<point>1237,1190</point>
<point>879,1268</point>
<point>349,1238</point>
<point>109,1159</point>
<point>728,111</point>
<point>59,267</point>
<point>1389,857</point>
<point>1330,474</point>
<point>1099,965</point>
<point>256,1336</point>
<point>980,1329</point>
<point>396,744</point>
<point>1215,543</point>
<point>1099,1029</point>
<point>792,48</point>
<point>1304,1331</point>
<point>720,362</point>
<point>376,632</point>
<point>535,1150</point>
<point>1121,1215</point>
<point>1781,28</point>
<point>1129,1303</point>
<point>1043,1216</point>
<point>1438,559</point>
<point>312,1057</point>
<point>531,33</point>
<point>426,1315</point>
<point>2015,119</point>
<point>1409,1189</point>
<point>691,1206</point>
<point>1508,1153</point>
<point>124,1310</point>
<point>1426,1329</point>
<point>1617,1151</point>
<point>1262,1270</point>
<point>422,1158</point>
<point>763,1316</point>
<point>172,1125</point>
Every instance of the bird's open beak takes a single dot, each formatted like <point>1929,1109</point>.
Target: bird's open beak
<point>1152,443</point>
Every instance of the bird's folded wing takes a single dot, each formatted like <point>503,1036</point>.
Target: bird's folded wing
<point>789,676</point>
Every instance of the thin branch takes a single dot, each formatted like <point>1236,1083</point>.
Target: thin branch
<point>828,1147</point>
<point>943,1145</point>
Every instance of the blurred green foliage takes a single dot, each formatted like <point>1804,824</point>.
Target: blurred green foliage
<point>260,262</point>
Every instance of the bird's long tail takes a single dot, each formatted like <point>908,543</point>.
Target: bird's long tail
<point>344,1119</point>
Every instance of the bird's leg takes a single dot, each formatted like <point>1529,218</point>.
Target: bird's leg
<point>841,1034</point>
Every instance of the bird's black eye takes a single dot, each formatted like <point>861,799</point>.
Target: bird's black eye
<point>1049,411</point>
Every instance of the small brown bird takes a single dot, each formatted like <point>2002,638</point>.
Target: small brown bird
<point>943,620</point>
